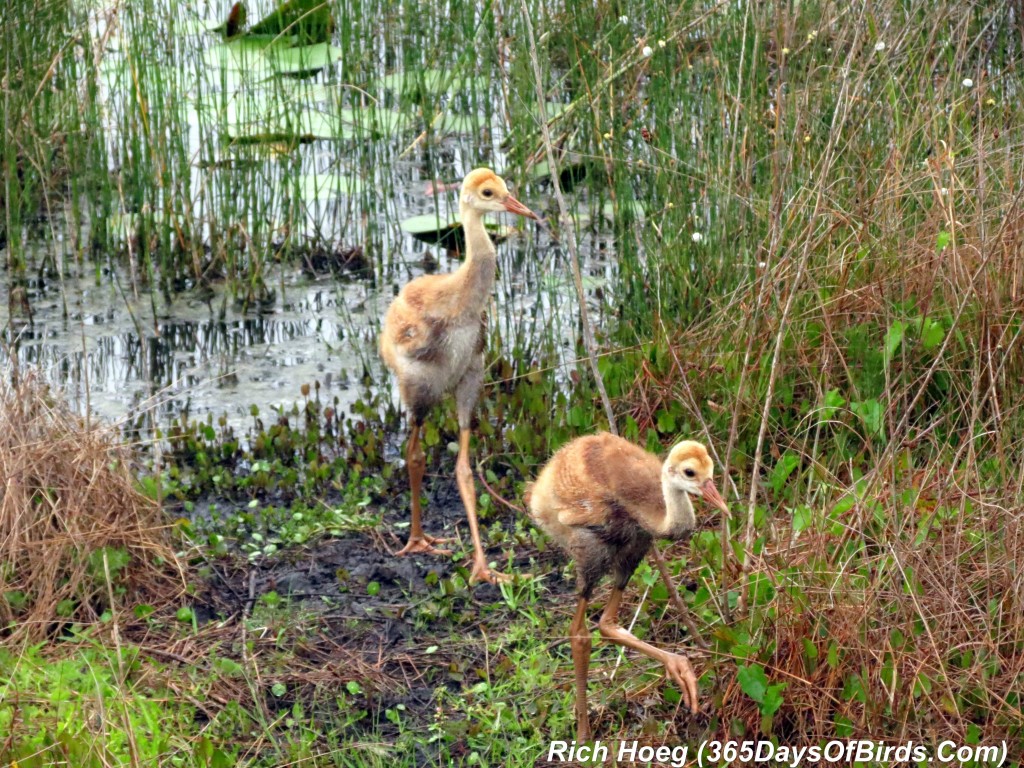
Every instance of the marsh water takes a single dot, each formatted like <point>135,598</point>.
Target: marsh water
<point>360,169</point>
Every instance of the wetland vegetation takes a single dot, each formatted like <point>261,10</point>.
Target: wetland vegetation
<point>796,230</point>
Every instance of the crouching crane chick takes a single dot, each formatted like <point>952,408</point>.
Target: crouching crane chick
<point>604,501</point>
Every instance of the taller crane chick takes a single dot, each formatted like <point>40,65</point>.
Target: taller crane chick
<point>433,340</point>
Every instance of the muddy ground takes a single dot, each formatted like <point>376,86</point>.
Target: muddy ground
<point>332,576</point>
<point>381,633</point>
<point>419,629</point>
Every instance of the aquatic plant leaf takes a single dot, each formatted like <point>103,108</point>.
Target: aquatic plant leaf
<point>448,123</point>
<point>433,82</point>
<point>572,168</point>
<point>234,110</point>
<point>630,210</point>
<point>429,224</point>
<point>309,92</point>
<point>372,122</point>
<point>633,208</point>
<point>309,20</point>
<point>447,231</point>
<point>281,121</point>
<point>311,123</point>
<point>301,58</point>
<point>259,58</point>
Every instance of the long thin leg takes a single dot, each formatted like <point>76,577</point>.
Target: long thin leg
<point>579,639</point>
<point>417,464</point>
<point>467,490</point>
<point>467,391</point>
<point>673,594</point>
<point>677,667</point>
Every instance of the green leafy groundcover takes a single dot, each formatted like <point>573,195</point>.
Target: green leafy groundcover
<point>81,711</point>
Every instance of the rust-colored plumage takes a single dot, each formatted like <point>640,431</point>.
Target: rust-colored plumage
<point>605,501</point>
<point>433,340</point>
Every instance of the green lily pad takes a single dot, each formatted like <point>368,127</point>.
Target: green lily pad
<point>311,93</point>
<point>232,111</point>
<point>304,58</point>
<point>632,208</point>
<point>447,231</point>
<point>257,121</point>
<point>449,123</point>
<point>606,214</point>
<point>411,83</point>
<point>372,122</point>
<point>258,58</point>
<point>573,170</point>
<point>311,123</point>
<point>431,227</point>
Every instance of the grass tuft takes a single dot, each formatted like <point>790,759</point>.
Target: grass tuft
<point>75,530</point>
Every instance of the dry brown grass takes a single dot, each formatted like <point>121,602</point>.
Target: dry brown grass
<point>70,511</point>
<point>914,642</point>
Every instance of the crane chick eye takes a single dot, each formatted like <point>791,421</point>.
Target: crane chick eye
<point>689,473</point>
<point>486,193</point>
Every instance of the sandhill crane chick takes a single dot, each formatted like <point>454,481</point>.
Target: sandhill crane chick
<point>604,501</point>
<point>433,340</point>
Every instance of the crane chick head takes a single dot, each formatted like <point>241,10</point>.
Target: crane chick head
<point>689,468</point>
<point>483,190</point>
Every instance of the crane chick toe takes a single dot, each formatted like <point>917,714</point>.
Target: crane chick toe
<point>678,669</point>
<point>425,545</point>
<point>481,572</point>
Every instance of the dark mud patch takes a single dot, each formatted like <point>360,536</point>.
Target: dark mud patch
<point>358,577</point>
<point>412,620</point>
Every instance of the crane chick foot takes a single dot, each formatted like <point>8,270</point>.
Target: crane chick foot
<point>423,544</point>
<point>481,572</point>
<point>679,671</point>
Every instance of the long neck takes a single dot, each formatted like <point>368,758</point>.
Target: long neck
<point>679,518</point>
<point>477,272</point>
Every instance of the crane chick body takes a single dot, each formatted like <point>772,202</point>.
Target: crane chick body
<point>605,501</point>
<point>433,340</point>
<point>434,329</point>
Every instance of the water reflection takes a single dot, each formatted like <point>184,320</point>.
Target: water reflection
<point>109,365</point>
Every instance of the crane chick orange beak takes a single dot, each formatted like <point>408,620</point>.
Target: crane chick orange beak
<point>514,206</point>
<point>712,496</point>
